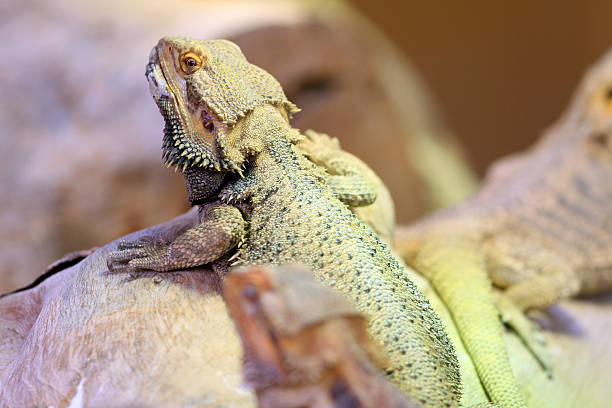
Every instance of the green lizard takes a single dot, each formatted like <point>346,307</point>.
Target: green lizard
<point>540,227</point>
<point>261,201</point>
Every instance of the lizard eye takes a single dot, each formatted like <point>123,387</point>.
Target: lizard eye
<point>190,63</point>
<point>608,95</point>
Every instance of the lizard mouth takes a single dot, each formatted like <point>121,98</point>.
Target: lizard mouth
<point>189,134</point>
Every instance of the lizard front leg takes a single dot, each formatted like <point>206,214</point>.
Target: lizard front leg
<point>350,179</point>
<point>221,229</point>
<point>353,182</point>
<point>534,277</point>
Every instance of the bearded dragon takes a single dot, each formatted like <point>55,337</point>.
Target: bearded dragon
<point>540,227</point>
<point>305,345</point>
<point>261,201</point>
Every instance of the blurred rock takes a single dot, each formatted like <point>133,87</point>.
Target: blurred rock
<point>108,340</point>
<point>304,344</point>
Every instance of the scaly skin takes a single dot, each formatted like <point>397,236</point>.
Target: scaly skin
<point>540,227</point>
<point>344,172</point>
<point>304,344</point>
<point>263,202</point>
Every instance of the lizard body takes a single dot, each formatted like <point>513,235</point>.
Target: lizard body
<point>261,201</point>
<point>305,345</point>
<point>343,168</point>
<point>540,227</point>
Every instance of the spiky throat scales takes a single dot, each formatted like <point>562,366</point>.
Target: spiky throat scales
<point>188,142</point>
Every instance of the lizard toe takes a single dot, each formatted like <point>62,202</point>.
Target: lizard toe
<point>127,245</point>
<point>529,332</point>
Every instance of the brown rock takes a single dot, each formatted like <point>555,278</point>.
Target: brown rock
<point>111,340</point>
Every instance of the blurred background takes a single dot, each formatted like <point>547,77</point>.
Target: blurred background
<point>501,71</point>
<point>428,93</point>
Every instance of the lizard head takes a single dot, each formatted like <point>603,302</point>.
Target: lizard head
<point>591,111</point>
<point>203,89</point>
<point>599,106</point>
<point>585,128</point>
<point>592,102</point>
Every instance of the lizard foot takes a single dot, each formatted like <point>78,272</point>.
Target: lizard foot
<point>318,146</point>
<point>528,331</point>
<point>132,256</point>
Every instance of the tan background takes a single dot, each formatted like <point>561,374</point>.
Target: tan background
<point>501,71</point>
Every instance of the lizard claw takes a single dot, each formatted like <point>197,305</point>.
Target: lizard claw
<point>322,139</point>
<point>126,245</point>
<point>132,256</point>
<point>318,146</point>
<point>527,330</point>
<point>116,266</point>
<point>140,243</point>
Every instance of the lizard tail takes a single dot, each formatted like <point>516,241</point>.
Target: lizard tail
<point>456,269</point>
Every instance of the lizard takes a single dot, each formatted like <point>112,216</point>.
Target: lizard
<point>540,228</point>
<point>261,201</point>
<point>304,344</point>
